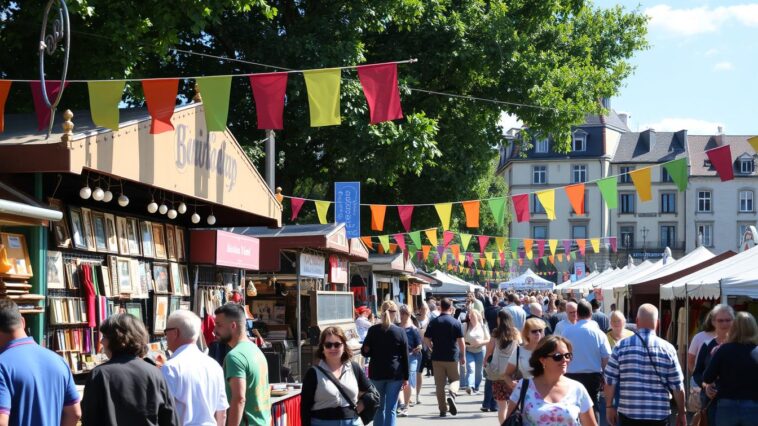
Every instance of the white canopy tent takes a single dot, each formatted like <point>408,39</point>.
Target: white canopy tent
<point>527,281</point>
<point>566,284</point>
<point>744,284</point>
<point>451,285</point>
<point>699,255</point>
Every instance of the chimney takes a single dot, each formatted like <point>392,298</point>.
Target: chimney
<point>720,136</point>
<point>606,103</point>
<point>682,136</point>
<point>625,118</point>
<point>648,139</point>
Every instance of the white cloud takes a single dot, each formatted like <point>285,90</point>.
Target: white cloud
<point>700,20</point>
<point>508,121</point>
<point>723,66</point>
<point>692,125</point>
<point>711,52</point>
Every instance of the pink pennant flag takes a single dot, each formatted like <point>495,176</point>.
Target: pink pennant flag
<point>447,237</point>
<point>297,204</point>
<point>269,91</point>
<point>40,108</point>
<point>405,213</point>
<point>721,158</point>
<point>400,240</point>
<point>382,94</point>
<point>540,248</point>
<point>420,256</point>
<point>502,260</point>
<point>612,241</point>
<point>566,246</point>
<point>521,206</point>
<point>483,241</point>
<point>470,258</point>
<point>160,96</point>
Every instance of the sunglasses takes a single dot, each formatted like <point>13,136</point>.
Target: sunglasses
<point>537,331</point>
<point>560,357</point>
<point>392,312</point>
<point>330,345</point>
<point>722,320</point>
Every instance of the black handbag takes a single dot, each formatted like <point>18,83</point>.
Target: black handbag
<point>370,397</point>
<point>516,418</point>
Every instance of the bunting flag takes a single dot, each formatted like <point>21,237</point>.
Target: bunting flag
<point>40,108</point>
<point>425,249</point>
<point>431,234</point>
<point>269,91</point>
<point>441,250</point>
<point>322,207</point>
<point>483,241</point>
<point>443,211</point>
<point>471,208</point>
<point>405,213</point>
<point>560,257</point>
<point>609,191</point>
<point>497,207</point>
<point>582,245</point>
<point>384,240</point>
<point>456,249</point>
<point>514,246</point>
<point>416,238</point>
<point>552,259</point>
<point>566,246</point>
<point>297,204</point>
<point>412,250</point>
<point>5,87</point>
<point>721,159</point>
<point>482,262</point>
<point>677,169</point>
<point>490,259</point>
<point>500,243</point>
<point>502,260</point>
<point>377,216</point>
<point>470,259</point>
<point>215,92</point>
<point>160,96</point>
<point>104,97</point>
<point>447,237</point>
<point>528,242</point>
<point>575,195</point>
<point>614,243</point>
<point>540,248</point>
<point>382,94</point>
<point>754,143</point>
<point>547,199</point>
<point>642,183</point>
<point>521,262</point>
<point>367,242</point>
<point>465,240</point>
<point>521,206</point>
<point>400,240</point>
<point>595,243</point>
<point>553,244</point>
<point>323,96</point>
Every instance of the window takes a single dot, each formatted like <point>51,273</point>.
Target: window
<point>541,146</point>
<point>705,234</point>
<point>704,201</point>
<point>668,202</point>
<point>578,174</point>
<point>539,175</point>
<point>536,205</point>
<point>579,231</point>
<point>627,236</point>
<point>539,232</point>
<point>627,202</point>
<point>741,229</point>
<point>746,201</point>
<point>665,176</point>
<point>624,176</point>
<point>580,143</point>
<point>668,236</point>
<point>746,165</point>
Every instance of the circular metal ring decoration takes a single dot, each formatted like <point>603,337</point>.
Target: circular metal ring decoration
<point>48,44</point>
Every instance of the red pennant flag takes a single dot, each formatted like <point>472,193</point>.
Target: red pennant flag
<point>447,237</point>
<point>521,206</point>
<point>721,158</point>
<point>382,94</point>
<point>502,259</point>
<point>613,244</point>
<point>400,239</point>
<point>269,91</point>
<point>483,241</point>
<point>368,242</point>
<point>405,213</point>
<point>582,245</point>
<point>5,87</point>
<point>43,112</point>
<point>160,96</point>
<point>540,248</point>
<point>575,195</point>
<point>297,204</point>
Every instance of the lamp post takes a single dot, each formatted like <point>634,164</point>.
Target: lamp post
<point>644,231</point>
<point>628,245</point>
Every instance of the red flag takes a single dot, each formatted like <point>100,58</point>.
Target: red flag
<point>521,206</point>
<point>400,240</point>
<point>721,158</point>
<point>5,87</point>
<point>382,94</point>
<point>447,237</point>
<point>297,204</point>
<point>483,240</point>
<point>540,248</point>
<point>160,96</point>
<point>269,91</point>
<point>405,213</point>
<point>43,112</point>
<point>613,244</point>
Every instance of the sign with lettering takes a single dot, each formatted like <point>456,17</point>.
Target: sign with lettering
<point>205,152</point>
<point>579,270</point>
<point>311,265</point>
<point>337,269</point>
<point>237,251</point>
<point>347,207</point>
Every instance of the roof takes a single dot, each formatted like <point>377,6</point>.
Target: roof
<point>651,147</point>
<point>698,144</point>
<point>610,120</point>
<point>17,208</point>
<point>316,230</point>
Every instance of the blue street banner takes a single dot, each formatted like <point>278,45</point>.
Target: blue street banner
<point>347,203</point>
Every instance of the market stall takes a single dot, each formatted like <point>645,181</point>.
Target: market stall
<point>527,281</point>
<point>391,278</point>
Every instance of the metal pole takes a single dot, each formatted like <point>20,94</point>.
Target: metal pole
<point>270,160</point>
<point>686,336</point>
<point>299,325</point>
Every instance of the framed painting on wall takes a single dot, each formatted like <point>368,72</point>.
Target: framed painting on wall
<point>89,233</point>
<point>110,233</point>
<point>77,228</point>
<point>159,240</point>
<point>160,314</point>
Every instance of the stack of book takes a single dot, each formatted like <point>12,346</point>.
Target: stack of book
<point>18,291</point>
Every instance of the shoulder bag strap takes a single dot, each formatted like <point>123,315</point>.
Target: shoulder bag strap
<point>518,348</point>
<point>522,395</point>
<point>340,386</point>
<point>650,357</point>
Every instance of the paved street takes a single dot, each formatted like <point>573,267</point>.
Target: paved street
<point>468,410</point>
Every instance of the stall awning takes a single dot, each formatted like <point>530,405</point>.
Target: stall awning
<point>19,209</point>
<point>391,263</point>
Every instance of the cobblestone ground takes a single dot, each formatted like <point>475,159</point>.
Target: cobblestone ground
<point>468,410</point>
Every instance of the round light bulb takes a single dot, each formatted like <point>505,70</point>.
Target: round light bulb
<point>195,218</point>
<point>85,192</point>
<point>123,200</point>
<point>152,207</point>
<point>98,194</point>
<point>162,209</point>
<point>172,214</point>
<point>182,208</point>
<point>107,197</point>
<point>211,220</point>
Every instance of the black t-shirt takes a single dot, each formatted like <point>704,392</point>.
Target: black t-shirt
<point>735,371</point>
<point>444,332</point>
<point>388,350</point>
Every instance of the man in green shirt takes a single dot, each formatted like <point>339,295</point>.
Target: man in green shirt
<point>245,370</point>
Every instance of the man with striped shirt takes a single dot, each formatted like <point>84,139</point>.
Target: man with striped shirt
<point>645,377</point>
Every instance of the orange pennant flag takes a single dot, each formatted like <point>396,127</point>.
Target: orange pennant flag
<point>425,249</point>
<point>160,96</point>
<point>528,244</point>
<point>367,241</point>
<point>575,195</point>
<point>377,216</point>
<point>520,262</point>
<point>472,213</point>
<point>380,249</point>
<point>393,248</point>
<point>560,257</point>
<point>456,248</point>
<point>582,244</point>
<point>552,259</point>
<point>482,261</point>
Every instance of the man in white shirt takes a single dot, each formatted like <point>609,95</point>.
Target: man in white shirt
<point>570,318</point>
<point>195,380</point>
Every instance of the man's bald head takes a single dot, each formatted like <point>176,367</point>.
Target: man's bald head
<point>535,309</point>
<point>647,316</point>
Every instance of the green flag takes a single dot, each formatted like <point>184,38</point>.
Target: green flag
<point>497,206</point>
<point>104,97</point>
<point>465,240</point>
<point>416,238</point>
<point>215,93</point>
<point>607,188</point>
<point>514,245</point>
<point>384,240</point>
<point>677,169</point>
<point>412,249</point>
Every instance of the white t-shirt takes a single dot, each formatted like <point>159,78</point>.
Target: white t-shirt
<point>472,334</point>
<point>523,361</point>
<point>698,340</point>
<point>537,412</point>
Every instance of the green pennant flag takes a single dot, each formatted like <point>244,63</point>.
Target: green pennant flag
<point>514,245</point>
<point>215,92</point>
<point>416,238</point>
<point>677,169</point>
<point>384,240</point>
<point>497,206</point>
<point>104,97</point>
<point>412,250</point>
<point>465,240</point>
<point>609,191</point>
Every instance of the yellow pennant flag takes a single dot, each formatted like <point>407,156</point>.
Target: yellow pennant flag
<point>553,244</point>
<point>529,255</point>
<point>500,241</point>
<point>461,258</point>
<point>547,199</point>
<point>323,96</point>
<point>641,179</point>
<point>431,234</point>
<point>595,242</point>
<point>322,207</point>
<point>753,142</point>
<point>443,258</point>
<point>444,210</point>
<point>490,258</point>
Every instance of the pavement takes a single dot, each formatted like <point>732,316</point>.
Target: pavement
<point>468,409</point>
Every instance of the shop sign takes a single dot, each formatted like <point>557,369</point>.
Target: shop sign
<point>347,207</point>
<point>579,270</point>
<point>203,152</point>
<point>337,270</point>
<point>312,265</point>
<point>237,251</point>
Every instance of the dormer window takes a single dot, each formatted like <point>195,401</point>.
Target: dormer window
<point>541,146</point>
<point>745,165</point>
<point>580,141</point>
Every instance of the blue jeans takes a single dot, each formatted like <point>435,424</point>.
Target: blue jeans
<point>389,390</point>
<point>474,361</point>
<point>489,400</point>
<point>345,422</point>
<point>736,412</point>
<point>414,363</point>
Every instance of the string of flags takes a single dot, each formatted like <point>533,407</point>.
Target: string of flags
<point>379,83</point>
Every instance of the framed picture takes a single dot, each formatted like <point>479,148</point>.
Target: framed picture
<point>72,276</point>
<point>160,314</point>
<point>60,227</point>
<point>105,280</point>
<point>55,274</point>
<point>123,238</point>
<point>148,273</point>
<point>124,276</point>
<point>132,234</point>
<point>159,240</point>
<point>98,223</point>
<point>89,233</point>
<point>186,306</point>
<point>136,310</point>
<point>176,280</point>
<point>111,236</point>
<point>180,255</point>
<point>171,241</point>
<point>134,268</point>
<point>174,304</point>
<point>146,236</point>
<point>161,277</point>
<point>77,228</point>
<point>184,275</point>
<point>113,269</point>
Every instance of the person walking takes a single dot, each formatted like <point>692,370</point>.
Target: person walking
<point>618,331</point>
<point>707,334</point>
<point>414,359</point>
<point>535,311</point>
<point>362,324</point>
<point>245,370</point>
<point>516,310</point>
<point>490,315</point>
<point>444,337</point>
<point>599,317</point>
<point>195,380</point>
<point>733,373</point>
<point>570,319</point>
<point>518,364</point>
<point>722,317</point>
<point>559,315</point>
<point>551,398</point>
<point>646,370</point>
<point>322,403</point>
<point>476,335</point>
<point>503,343</point>
<point>423,321</point>
<point>127,389</point>
<point>387,346</point>
<point>27,372</point>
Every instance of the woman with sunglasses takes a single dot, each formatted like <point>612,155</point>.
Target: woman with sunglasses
<point>518,365</point>
<point>552,399</point>
<point>387,346</point>
<point>414,358</point>
<point>722,317</point>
